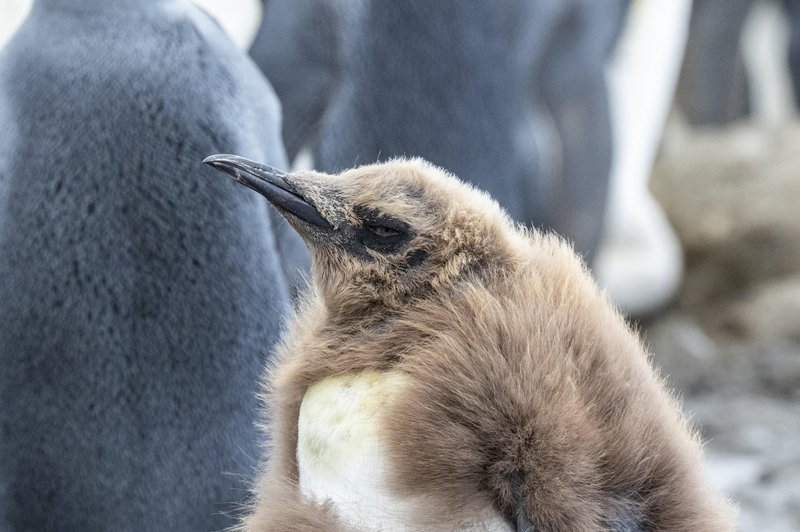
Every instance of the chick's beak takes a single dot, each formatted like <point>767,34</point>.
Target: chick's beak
<point>270,183</point>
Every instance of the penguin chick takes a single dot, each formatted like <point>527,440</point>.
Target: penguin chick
<point>449,370</point>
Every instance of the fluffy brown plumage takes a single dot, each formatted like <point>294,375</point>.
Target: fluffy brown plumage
<point>527,390</point>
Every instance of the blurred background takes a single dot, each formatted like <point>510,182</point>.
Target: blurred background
<point>689,218</point>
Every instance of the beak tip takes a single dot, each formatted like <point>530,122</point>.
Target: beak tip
<point>213,160</point>
<point>270,183</point>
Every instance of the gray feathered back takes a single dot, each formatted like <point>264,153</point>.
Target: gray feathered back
<point>139,294</point>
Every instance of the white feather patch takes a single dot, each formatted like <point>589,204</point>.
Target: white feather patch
<point>342,457</point>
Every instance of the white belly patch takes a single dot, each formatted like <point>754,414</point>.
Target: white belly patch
<point>341,455</point>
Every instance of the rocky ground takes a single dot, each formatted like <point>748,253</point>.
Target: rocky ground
<point>731,341</point>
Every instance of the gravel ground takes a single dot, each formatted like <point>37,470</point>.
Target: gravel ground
<point>731,341</point>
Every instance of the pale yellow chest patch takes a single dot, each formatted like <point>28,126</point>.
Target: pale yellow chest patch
<point>342,457</point>
<point>342,418</point>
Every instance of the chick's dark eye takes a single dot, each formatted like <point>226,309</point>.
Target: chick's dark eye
<point>383,231</point>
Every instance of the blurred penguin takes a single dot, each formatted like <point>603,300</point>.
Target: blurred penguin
<point>298,49</point>
<point>138,296</point>
<point>640,261</point>
<point>450,370</point>
<point>713,88</point>
<point>510,96</point>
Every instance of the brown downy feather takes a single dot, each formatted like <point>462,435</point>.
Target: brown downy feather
<point>527,385</point>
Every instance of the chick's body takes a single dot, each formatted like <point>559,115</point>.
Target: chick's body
<point>449,370</point>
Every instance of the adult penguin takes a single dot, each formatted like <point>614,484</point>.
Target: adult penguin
<point>138,295</point>
<point>298,48</point>
<point>509,96</point>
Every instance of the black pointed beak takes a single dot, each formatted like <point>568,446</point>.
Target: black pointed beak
<point>270,183</point>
